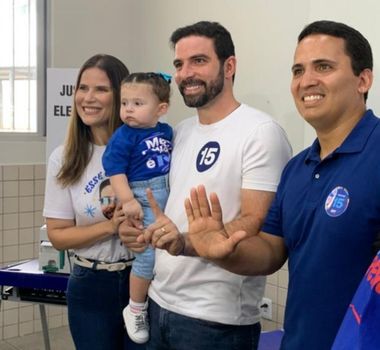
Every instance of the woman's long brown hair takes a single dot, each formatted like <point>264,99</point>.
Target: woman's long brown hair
<point>79,139</point>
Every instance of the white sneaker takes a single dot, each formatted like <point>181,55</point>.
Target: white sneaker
<point>137,325</point>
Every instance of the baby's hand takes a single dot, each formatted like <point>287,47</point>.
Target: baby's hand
<point>117,218</point>
<point>132,210</point>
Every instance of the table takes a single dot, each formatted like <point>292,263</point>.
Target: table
<point>23,281</point>
<point>27,283</point>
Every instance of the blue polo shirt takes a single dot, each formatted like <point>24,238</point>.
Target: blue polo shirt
<point>328,213</point>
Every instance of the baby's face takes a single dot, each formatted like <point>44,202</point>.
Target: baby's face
<point>140,107</point>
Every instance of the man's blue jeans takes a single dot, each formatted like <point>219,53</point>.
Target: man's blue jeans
<point>96,299</point>
<point>171,331</point>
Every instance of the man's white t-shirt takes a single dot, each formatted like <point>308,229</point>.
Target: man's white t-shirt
<point>245,150</point>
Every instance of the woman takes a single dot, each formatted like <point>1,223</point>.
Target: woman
<point>98,287</point>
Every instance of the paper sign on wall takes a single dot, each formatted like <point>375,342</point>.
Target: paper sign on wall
<point>59,101</point>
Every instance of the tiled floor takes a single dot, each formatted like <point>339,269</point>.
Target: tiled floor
<point>60,339</point>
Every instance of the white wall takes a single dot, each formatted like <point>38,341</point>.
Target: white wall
<point>264,32</point>
<point>140,31</point>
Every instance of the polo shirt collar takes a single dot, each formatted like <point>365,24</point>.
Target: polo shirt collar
<point>354,142</point>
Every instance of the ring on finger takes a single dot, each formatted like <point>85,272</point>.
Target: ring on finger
<point>163,230</point>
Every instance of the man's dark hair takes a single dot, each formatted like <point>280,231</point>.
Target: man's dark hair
<point>223,44</point>
<point>356,45</point>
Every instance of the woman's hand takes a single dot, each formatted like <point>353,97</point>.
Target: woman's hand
<point>117,218</point>
<point>128,233</point>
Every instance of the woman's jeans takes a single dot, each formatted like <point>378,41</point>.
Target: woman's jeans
<point>96,299</point>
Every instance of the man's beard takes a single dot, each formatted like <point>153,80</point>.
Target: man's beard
<point>212,89</point>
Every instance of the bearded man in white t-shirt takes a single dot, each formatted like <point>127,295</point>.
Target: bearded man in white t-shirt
<point>235,151</point>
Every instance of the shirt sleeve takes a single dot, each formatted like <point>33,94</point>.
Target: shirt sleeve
<point>58,201</point>
<point>116,156</point>
<point>265,155</point>
<point>273,223</point>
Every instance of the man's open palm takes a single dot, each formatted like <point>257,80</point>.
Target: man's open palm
<point>206,229</point>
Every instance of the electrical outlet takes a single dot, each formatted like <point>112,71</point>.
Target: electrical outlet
<point>266,308</point>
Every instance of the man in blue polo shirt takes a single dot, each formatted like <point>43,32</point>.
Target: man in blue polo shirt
<point>326,213</point>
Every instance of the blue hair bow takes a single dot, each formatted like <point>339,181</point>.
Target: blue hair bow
<point>166,77</point>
